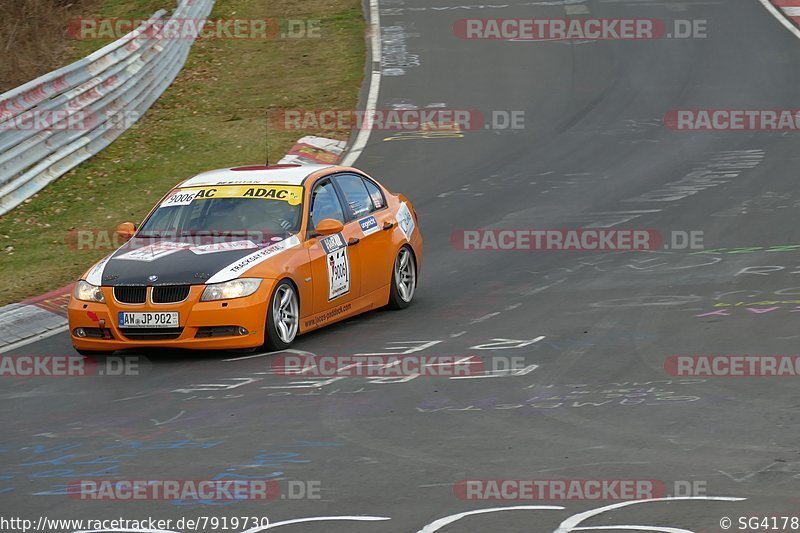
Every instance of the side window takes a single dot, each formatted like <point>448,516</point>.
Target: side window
<point>325,204</point>
<point>356,194</point>
<point>378,201</point>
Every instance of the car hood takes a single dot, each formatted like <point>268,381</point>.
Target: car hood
<point>183,262</point>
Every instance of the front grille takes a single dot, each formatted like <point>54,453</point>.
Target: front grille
<point>130,295</point>
<point>149,334</point>
<point>169,294</point>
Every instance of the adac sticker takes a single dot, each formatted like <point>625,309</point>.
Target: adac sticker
<point>368,225</point>
<point>290,194</point>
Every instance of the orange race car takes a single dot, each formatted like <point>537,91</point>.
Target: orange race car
<point>248,257</point>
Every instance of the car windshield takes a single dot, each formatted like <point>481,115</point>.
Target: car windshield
<point>269,210</point>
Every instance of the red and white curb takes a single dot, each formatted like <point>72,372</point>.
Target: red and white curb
<point>312,150</point>
<point>790,8</point>
<point>787,12</point>
<point>33,319</point>
<point>46,315</point>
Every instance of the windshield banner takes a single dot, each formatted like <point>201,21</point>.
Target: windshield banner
<point>291,194</point>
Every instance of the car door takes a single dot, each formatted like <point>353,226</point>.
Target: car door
<point>335,263</point>
<point>367,206</point>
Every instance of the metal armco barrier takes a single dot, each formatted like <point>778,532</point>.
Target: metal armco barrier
<point>74,112</point>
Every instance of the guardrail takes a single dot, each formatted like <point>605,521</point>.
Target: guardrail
<point>80,109</point>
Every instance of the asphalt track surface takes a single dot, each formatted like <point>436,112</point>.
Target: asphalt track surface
<point>599,404</point>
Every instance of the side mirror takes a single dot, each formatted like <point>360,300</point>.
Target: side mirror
<point>328,226</point>
<point>126,231</point>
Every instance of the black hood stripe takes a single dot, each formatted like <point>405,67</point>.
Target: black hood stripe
<point>174,263</point>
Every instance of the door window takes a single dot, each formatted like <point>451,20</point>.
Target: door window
<point>355,194</point>
<point>325,204</point>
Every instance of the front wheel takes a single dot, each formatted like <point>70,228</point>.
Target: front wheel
<point>404,279</point>
<point>283,318</point>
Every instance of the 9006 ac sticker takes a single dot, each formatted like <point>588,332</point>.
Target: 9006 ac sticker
<point>293,195</point>
<point>338,265</point>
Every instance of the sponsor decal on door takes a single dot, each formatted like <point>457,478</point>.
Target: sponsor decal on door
<point>368,225</point>
<point>338,265</point>
<point>405,220</point>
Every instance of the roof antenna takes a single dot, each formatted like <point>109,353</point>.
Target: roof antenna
<point>267,137</point>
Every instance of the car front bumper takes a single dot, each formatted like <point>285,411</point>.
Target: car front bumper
<point>196,319</point>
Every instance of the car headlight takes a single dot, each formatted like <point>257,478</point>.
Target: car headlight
<point>236,288</point>
<point>87,292</point>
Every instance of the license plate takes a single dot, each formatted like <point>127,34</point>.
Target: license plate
<point>167,319</point>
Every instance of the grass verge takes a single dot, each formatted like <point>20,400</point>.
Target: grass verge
<point>211,117</point>
<point>33,37</point>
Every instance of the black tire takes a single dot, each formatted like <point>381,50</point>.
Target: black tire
<point>397,300</point>
<point>273,340</point>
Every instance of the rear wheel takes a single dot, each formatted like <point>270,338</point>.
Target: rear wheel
<point>404,279</point>
<point>283,317</point>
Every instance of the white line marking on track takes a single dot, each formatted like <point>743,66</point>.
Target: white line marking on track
<point>746,476</point>
<point>374,87</point>
<point>173,419</point>
<point>483,318</point>
<point>537,290</point>
<point>579,9</point>
<point>570,523</point>
<point>604,463</point>
<point>37,338</point>
<point>289,350</point>
<point>317,519</point>
<point>637,528</point>
<point>447,520</point>
<point>133,397</point>
<point>247,357</point>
